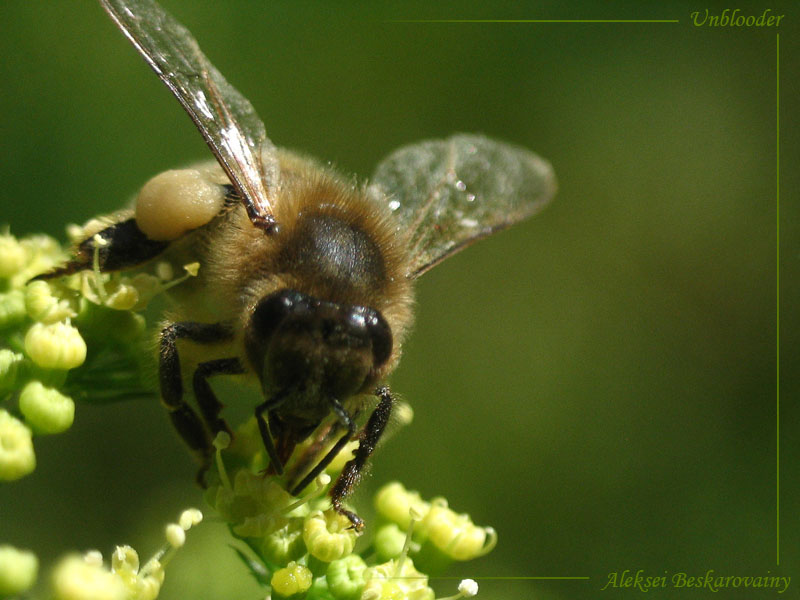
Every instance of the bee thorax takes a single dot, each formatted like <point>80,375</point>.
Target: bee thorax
<point>335,253</point>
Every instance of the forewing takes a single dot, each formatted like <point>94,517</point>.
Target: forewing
<point>227,120</point>
<point>446,194</point>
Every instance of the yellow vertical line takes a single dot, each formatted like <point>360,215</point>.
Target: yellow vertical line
<point>778,299</point>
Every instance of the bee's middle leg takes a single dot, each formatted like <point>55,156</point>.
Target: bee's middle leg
<point>210,406</point>
<point>184,418</point>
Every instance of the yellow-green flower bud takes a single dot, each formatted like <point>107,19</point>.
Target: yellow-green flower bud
<point>252,510</point>
<point>92,286</point>
<point>12,256</point>
<point>42,246</point>
<point>125,559</point>
<point>346,577</point>
<point>12,308</point>
<point>389,541</point>
<point>121,296</point>
<point>394,503</point>
<point>42,253</point>
<point>75,233</point>
<point>42,305</point>
<point>148,582</point>
<point>9,367</point>
<point>385,582</point>
<point>383,590</point>
<point>319,589</point>
<point>125,565</point>
<point>39,300</point>
<point>141,584</point>
<point>256,506</point>
<point>455,535</point>
<point>55,346</point>
<point>292,579</point>
<point>76,578</point>
<point>18,569</point>
<point>266,492</point>
<point>46,409</point>
<point>328,535</point>
<point>16,448</point>
<point>284,545</point>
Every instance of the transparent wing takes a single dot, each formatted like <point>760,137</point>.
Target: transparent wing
<point>446,194</point>
<point>227,120</point>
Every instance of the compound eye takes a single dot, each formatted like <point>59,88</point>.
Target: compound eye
<point>381,337</point>
<point>270,311</point>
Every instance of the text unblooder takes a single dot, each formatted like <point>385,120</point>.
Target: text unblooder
<point>735,18</point>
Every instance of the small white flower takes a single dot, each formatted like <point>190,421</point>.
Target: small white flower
<point>468,587</point>
<point>189,518</point>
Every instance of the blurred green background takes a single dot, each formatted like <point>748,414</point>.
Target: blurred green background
<point>598,383</point>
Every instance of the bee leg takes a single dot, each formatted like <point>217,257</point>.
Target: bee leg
<point>368,439</point>
<point>184,419</point>
<point>350,424</point>
<point>314,449</point>
<point>266,437</point>
<point>126,246</point>
<point>210,406</point>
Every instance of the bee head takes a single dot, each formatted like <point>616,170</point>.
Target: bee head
<point>295,340</point>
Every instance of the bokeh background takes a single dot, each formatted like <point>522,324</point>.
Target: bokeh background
<point>598,383</point>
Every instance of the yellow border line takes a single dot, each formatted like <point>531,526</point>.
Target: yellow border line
<point>534,21</point>
<point>778,299</point>
<point>492,578</point>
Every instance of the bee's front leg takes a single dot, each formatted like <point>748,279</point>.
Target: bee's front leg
<point>184,418</point>
<point>368,439</point>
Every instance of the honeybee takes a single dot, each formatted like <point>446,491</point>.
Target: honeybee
<point>306,277</point>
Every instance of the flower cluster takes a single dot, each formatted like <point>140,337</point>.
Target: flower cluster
<point>87,578</point>
<point>303,548</point>
<point>80,337</point>
<point>38,345</point>
<point>72,336</point>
